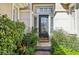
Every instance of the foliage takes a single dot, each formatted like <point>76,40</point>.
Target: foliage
<point>64,44</point>
<point>30,50</point>
<point>69,51</point>
<point>11,32</point>
<point>55,49</point>
<point>29,42</point>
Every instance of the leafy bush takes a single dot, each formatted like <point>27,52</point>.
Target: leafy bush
<point>69,51</point>
<point>64,44</point>
<point>55,49</point>
<point>11,32</point>
<point>29,42</point>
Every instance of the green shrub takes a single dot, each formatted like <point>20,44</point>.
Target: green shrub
<point>11,32</point>
<point>29,42</point>
<point>30,50</point>
<point>64,44</point>
<point>55,49</point>
<point>69,51</point>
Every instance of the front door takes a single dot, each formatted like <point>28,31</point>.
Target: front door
<point>43,26</point>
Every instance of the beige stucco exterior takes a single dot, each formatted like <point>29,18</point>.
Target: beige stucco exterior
<point>25,17</point>
<point>62,17</point>
<point>6,8</point>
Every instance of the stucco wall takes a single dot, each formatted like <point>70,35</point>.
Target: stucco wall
<point>77,13</point>
<point>63,20</point>
<point>25,17</point>
<point>6,8</point>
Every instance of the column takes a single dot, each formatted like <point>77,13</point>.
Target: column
<point>37,24</point>
<point>76,29</point>
<point>49,26</point>
<point>12,10</point>
<point>18,14</point>
<point>30,17</point>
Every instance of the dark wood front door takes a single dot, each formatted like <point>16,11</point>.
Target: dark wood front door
<point>43,26</point>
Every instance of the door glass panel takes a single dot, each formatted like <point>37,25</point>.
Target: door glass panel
<point>44,24</point>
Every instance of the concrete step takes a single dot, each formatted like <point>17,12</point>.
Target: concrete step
<point>43,40</point>
<point>43,44</point>
<point>42,53</point>
<point>43,48</point>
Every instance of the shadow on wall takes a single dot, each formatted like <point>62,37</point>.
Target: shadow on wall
<point>65,6</point>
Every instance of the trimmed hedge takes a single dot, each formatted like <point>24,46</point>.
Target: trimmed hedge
<point>11,32</point>
<point>64,44</point>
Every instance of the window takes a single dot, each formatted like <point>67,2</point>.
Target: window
<point>44,10</point>
<point>35,22</point>
<point>51,24</point>
<point>41,9</point>
<point>15,14</point>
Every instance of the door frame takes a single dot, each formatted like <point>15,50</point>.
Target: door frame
<point>40,24</point>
